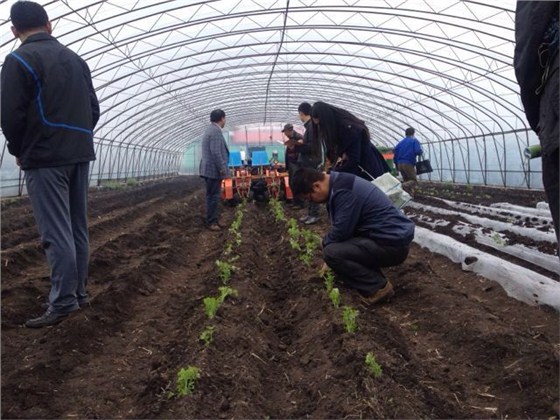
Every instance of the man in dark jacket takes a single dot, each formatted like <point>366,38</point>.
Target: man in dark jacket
<point>347,142</point>
<point>536,69</point>
<point>310,156</point>
<point>367,232</point>
<point>49,111</point>
<point>291,156</point>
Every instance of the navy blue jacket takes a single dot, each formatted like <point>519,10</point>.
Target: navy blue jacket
<point>49,106</point>
<point>358,208</point>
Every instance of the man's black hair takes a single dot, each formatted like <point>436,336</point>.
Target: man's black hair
<point>304,108</point>
<point>303,180</point>
<point>217,115</point>
<point>26,15</point>
<point>409,131</point>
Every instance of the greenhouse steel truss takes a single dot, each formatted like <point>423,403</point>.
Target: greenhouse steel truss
<point>160,67</point>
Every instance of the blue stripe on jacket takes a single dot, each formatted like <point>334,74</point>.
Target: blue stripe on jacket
<point>40,103</point>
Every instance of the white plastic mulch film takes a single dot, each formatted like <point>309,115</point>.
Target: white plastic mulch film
<point>160,67</point>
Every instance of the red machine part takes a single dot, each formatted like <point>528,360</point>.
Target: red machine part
<point>240,183</point>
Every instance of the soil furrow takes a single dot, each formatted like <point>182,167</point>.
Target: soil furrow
<point>450,344</point>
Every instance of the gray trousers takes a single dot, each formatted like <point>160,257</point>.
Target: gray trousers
<point>213,192</point>
<point>59,199</point>
<point>357,262</point>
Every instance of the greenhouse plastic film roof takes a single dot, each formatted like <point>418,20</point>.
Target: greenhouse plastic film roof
<point>445,68</point>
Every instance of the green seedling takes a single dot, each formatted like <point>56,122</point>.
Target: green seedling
<point>306,259</point>
<point>373,366</point>
<point>225,269</point>
<point>334,294</point>
<point>186,380</point>
<point>329,279</point>
<point>226,291</point>
<point>279,215</point>
<point>294,243</point>
<point>312,240</point>
<point>228,249</point>
<point>113,185</point>
<point>292,223</point>
<point>236,224</point>
<point>277,210</point>
<point>498,239</point>
<point>207,335</point>
<point>349,316</point>
<point>293,229</point>
<point>238,239</point>
<point>211,305</point>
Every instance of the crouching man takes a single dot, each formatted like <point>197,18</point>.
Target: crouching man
<point>367,232</point>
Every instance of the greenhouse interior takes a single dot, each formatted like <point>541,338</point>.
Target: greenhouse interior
<point>472,328</point>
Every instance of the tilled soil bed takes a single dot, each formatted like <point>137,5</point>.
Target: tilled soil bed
<point>450,344</point>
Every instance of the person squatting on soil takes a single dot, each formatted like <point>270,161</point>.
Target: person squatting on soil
<point>347,143</point>
<point>406,152</point>
<point>310,156</point>
<point>291,156</point>
<point>367,232</point>
<point>536,68</point>
<point>49,111</point>
<point>214,166</point>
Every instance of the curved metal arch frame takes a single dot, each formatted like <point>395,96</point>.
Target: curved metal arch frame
<point>479,71</point>
<point>469,69</point>
<point>361,10</point>
<point>269,11</point>
<point>343,27</point>
<point>421,94</point>
<point>304,88</point>
<point>181,127</point>
<point>250,46</point>
<point>169,146</point>
<point>389,11</point>
<point>162,75</point>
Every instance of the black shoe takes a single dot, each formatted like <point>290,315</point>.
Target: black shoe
<point>84,303</point>
<point>81,303</point>
<point>45,320</point>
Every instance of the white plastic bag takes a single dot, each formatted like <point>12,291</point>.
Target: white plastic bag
<point>391,186</point>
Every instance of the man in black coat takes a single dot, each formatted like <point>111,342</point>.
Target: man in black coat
<point>310,156</point>
<point>49,111</point>
<point>536,69</point>
<point>291,156</point>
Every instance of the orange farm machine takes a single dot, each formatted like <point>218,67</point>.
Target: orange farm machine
<point>258,182</point>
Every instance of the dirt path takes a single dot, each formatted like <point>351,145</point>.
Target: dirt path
<point>450,344</point>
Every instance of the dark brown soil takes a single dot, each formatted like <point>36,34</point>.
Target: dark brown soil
<point>450,344</point>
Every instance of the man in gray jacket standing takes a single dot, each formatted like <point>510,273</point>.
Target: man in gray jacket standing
<point>214,166</point>
<point>49,111</point>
